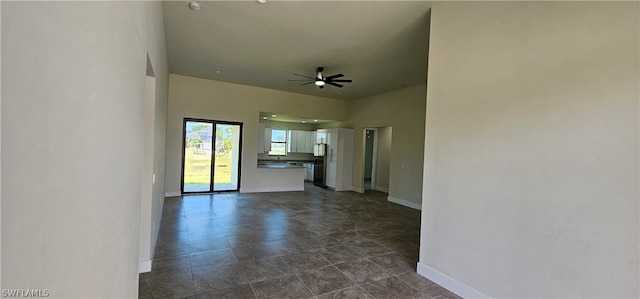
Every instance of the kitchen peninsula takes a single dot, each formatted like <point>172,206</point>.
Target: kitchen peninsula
<point>281,176</point>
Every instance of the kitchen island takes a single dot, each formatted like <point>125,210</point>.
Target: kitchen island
<point>279,177</point>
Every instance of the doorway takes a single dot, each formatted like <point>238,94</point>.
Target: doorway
<point>211,156</point>
<point>370,157</point>
<point>377,158</point>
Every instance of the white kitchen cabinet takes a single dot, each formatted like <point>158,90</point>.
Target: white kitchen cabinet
<point>300,141</point>
<point>299,137</point>
<point>261,138</point>
<point>267,140</point>
<point>309,141</point>
<point>292,138</point>
<point>340,158</point>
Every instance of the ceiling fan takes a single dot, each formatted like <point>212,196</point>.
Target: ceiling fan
<point>320,80</point>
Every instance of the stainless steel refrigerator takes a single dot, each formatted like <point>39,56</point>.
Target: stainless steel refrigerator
<point>320,165</point>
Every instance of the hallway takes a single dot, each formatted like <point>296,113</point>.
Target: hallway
<point>316,243</point>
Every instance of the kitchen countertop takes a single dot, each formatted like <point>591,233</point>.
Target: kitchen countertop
<point>279,166</point>
<point>265,161</point>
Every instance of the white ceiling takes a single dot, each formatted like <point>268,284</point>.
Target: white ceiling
<point>380,45</point>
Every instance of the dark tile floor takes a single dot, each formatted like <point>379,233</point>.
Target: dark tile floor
<point>312,244</point>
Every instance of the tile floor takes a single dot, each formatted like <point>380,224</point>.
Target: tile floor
<point>312,244</point>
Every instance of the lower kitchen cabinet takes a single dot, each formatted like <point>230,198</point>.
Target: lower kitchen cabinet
<point>308,172</point>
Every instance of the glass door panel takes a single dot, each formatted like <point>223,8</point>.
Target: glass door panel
<point>227,157</point>
<point>198,151</point>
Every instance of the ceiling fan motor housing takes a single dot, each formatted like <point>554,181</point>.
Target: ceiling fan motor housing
<point>321,80</point>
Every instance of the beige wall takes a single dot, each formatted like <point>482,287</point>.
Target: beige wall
<point>403,110</point>
<point>208,99</point>
<point>531,169</point>
<point>73,86</point>
<point>155,132</point>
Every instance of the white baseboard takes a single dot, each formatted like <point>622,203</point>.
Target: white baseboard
<point>449,283</point>
<point>144,266</point>
<point>382,189</point>
<point>172,194</point>
<point>269,189</point>
<point>405,203</point>
<point>356,189</point>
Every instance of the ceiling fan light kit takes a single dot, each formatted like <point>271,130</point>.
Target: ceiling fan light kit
<point>320,80</point>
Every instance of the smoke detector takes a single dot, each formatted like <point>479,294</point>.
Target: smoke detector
<point>194,5</point>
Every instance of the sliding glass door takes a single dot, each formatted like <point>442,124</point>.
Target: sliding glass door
<point>211,157</point>
<point>198,154</point>
<point>227,157</point>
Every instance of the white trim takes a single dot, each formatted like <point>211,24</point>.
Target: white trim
<point>144,266</point>
<point>382,189</point>
<point>449,283</point>
<point>172,194</point>
<point>269,189</point>
<point>405,203</point>
<point>356,189</point>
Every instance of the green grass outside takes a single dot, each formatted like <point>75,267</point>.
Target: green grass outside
<point>197,168</point>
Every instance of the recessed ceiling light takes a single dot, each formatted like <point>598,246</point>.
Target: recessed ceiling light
<point>273,115</point>
<point>304,121</point>
<point>194,5</point>
<point>264,117</point>
<point>315,120</point>
<point>261,1</point>
<point>218,71</point>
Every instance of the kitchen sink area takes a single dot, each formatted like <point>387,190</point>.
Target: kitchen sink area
<point>280,164</point>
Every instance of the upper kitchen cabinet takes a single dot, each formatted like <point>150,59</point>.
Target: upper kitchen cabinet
<point>264,139</point>
<point>301,141</point>
<point>261,138</point>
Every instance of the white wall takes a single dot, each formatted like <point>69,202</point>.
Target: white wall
<point>155,132</point>
<point>73,78</point>
<point>531,154</point>
<point>208,99</point>
<point>403,110</point>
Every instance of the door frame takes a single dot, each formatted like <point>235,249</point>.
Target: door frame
<point>213,155</point>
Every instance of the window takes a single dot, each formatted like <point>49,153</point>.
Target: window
<point>278,142</point>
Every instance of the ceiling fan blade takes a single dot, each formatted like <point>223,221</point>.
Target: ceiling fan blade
<point>307,83</point>
<point>312,78</point>
<point>341,80</point>
<point>334,84</point>
<point>334,76</point>
<point>304,80</point>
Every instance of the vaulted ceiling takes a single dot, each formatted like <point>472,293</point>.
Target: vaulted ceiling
<point>380,45</point>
